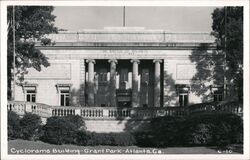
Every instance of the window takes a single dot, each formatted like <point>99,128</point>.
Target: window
<point>218,97</point>
<point>124,75</point>
<point>145,75</point>
<point>183,93</point>
<point>183,99</point>
<point>64,97</point>
<point>217,93</point>
<point>30,96</point>
<point>123,78</point>
<point>30,92</point>
<point>64,94</point>
<point>102,75</point>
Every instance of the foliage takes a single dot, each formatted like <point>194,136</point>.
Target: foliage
<point>31,23</point>
<point>82,138</point>
<point>164,131</point>
<point>144,139</point>
<point>228,29</point>
<point>226,61</point>
<point>112,139</point>
<point>217,129</point>
<point>30,126</point>
<point>63,130</point>
<point>13,125</point>
<point>213,128</point>
<point>123,139</point>
<point>209,71</point>
<point>167,130</point>
<point>77,120</point>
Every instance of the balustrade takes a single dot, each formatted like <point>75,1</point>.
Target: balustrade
<point>46,111</point>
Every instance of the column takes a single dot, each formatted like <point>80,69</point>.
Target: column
<point>112,89</point>
<point>82,83</point>
<point>91,94</point>
<point>157,82</point>
<point>135,97</point>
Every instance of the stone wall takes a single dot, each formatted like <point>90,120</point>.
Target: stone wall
<point>67,72</point>
<point>68,67</point>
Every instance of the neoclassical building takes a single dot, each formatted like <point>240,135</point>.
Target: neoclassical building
<point>121,67</point>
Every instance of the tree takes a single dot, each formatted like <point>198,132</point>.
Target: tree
<point>30,24</point>
<point>228,30</point>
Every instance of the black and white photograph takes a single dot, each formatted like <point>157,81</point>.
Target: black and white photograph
<point>124,80</point>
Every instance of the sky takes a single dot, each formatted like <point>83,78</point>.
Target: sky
<point>173,19</point>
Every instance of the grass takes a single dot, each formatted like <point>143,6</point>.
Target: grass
<point>33,147</point>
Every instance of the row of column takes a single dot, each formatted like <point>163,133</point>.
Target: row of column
<point>135,94</point>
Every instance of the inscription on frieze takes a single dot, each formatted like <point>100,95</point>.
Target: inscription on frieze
<point>124,53</point>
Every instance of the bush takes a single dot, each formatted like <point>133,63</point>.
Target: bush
<point>213,128</point>
<point>144,139</point>
<point>112,139</point>
<point>30,126</point>
<point>123,139</point>
<point>63,130</point>
<point>77,120</point>
<point>82,138</point>
<point>164,131</point>
<point>218,129</point>
<point>13,125</point>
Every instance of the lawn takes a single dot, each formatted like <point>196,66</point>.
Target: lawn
<point>37,147</point>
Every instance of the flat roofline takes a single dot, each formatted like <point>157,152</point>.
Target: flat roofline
<point>96,31</point>
<point>132,45</point>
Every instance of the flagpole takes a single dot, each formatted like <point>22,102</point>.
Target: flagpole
<point>14,55</point>
<point>124,21</point>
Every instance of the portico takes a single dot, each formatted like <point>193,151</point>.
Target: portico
<point>123,83</point>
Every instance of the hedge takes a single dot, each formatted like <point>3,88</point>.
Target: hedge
<point>13,125</point>
<point>206,129</point>
<point>213,128</point>
<point>111,139</point>
<point>63,130</point>
<point>27,127</point>
<point>30,126</point>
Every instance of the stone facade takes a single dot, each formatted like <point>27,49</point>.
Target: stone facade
<point>124,67</point>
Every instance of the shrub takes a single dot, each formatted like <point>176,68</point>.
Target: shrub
<point>82,138</point>
<point>218,129</point>
<point>112,139</point>
<point>123,139</point>
<point>167,131</point>
<point>144,139</point>
<point>30,126</point>
<point>164,131</point>
<point>77,120</point>
<point>13,125</point>
<point>229,129</point>
<point>213,128</point>
<point>99,139</point>
<point>63,130</point>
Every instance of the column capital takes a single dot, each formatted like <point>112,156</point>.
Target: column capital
<point>113,60</point>
<point>90,60</point>
<point>135,61</point>
<point>157,60</point>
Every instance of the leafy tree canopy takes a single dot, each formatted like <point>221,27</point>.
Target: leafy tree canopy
<point>228,29</point>
<point>226,61</point>
<point>30,24</point>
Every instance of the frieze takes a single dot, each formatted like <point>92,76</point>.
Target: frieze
<point>119,54</point>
